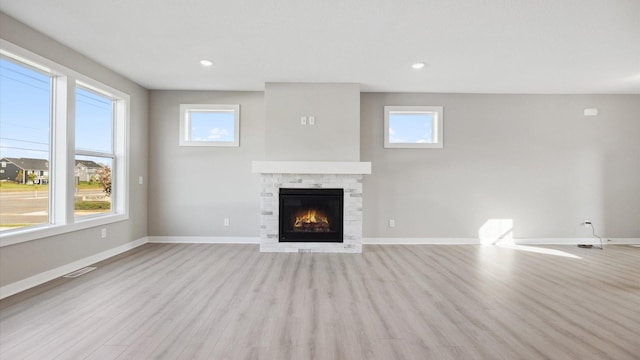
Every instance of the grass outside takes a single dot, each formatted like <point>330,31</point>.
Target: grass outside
<point>11,186</point>
<point>92,205</point>
<point>14,225</point>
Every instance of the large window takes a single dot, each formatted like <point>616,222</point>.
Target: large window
<point>413,127</point>
<point>25,121</point>
<point>94,152</point>
<point>63,149</point>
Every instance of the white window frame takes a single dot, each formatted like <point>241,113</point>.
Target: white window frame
<point>185,124</point>
<point>437,126</point>
<point>63,152</point>
<point>116,112</point>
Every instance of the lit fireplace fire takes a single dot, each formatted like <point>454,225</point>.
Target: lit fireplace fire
<point>311,220</point>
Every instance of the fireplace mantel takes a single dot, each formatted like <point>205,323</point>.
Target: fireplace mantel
<point>311,167</point>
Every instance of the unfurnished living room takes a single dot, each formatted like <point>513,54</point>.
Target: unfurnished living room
<point>303,179</point>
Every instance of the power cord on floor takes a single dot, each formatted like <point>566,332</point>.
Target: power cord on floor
<point>593,232</point>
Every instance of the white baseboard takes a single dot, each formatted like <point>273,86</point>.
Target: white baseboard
<point>205,239</point>
<point>393,241</point>
<point>557,241</point>
<point>476,241</point>
<point>622,241</point>
<point>49,275</point>
<point>575,241</point>
<point>420,241</point>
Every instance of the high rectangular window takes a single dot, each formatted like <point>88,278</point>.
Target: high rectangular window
<point>413,127</point>
<point>209,125</point>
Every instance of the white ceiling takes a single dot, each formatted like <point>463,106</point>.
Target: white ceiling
<point>470,46</point>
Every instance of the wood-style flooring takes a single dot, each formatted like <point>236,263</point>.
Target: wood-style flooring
<point>186,301</point>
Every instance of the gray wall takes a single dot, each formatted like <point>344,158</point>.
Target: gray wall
<point>23,260</point>
<point>336,133</point>
<point>534,159</point>
<point>531,158</point>
<point>193,189</point>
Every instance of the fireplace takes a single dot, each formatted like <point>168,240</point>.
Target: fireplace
<point>311,215</point>
<point>346,177</point>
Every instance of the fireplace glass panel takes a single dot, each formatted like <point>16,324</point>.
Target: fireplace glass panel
<point>311,215</point>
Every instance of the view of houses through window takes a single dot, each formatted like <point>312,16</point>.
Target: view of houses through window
<point>26,123</point>
<point>94,152</point>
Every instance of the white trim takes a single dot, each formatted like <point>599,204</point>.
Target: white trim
<point>574,241</point>
<point>419,241</point>
<point>476,241</point>
<point>33,281</point>
<point>311,167</point>
<point>558,241</point>
<point>204,239</point>
<point>621,241</point>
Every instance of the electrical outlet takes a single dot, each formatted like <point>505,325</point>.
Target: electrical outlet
<point>392,223</point>
<point>103,233</point>
<point>226,222</point>
<point>591,112</point>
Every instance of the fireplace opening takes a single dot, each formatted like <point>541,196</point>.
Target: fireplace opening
<point>311,215</point>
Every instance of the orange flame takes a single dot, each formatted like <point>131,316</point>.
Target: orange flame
<point>311,217</point>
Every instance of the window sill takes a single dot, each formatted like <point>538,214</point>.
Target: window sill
<point>44,231</point>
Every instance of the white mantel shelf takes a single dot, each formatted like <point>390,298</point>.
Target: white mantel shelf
<point>311,167</point>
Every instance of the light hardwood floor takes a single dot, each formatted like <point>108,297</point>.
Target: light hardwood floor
<point>391,302</point>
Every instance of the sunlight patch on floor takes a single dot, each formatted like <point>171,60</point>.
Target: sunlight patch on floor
<point>499,233</point>
<point>496,231</point>
<point>539,250</point>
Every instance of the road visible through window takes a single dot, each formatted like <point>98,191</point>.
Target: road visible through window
<point>25,118</point>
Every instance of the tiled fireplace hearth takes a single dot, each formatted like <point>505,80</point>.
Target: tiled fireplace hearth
<point>311,175</point>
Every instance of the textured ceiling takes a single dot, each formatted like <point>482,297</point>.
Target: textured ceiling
<point>470,46</point>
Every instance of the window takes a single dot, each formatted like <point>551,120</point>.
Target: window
<point>413,127</point>
<point>63,148</point>
<point>209,125</point>
<point>94,152</point>
<point>25,121</point>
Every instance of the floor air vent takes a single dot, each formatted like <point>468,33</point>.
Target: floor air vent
<point>79,272</point>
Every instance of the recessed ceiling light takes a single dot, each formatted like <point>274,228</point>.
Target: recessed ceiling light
<point>206,62</point>
<point>418,66</point>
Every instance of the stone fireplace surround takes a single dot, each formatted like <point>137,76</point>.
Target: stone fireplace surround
<point>311,174</point>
